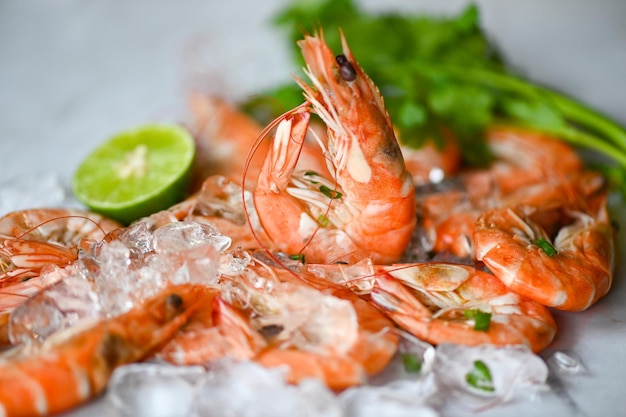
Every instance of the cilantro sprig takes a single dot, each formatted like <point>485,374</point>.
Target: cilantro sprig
<point>443,73</point>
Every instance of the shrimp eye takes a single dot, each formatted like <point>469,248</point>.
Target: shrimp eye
<point>271,330</point>
<point>346,70</point>
<point>173,305</point>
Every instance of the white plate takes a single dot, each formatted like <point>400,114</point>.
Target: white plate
<point>74,72</point>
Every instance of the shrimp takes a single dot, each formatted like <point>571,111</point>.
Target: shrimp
<point>31,239</point>
<point>71,368</point>
<point>315,330</point>
<point>216,330</point>
<point>524,157</point>
<point>569,268</point>
<point>367,209</point>
<point>223,137</point>
<point>440,303</point>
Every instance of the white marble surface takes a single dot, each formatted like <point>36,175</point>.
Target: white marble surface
<point>72,72</point>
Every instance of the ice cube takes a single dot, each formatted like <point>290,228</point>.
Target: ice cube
<point>62,305</point>
<point>399,399</point>
<point>181,236</point>
<point>566,362</point>
<point>245,389</point>
<point>515,372</point>
<point>154,390</point>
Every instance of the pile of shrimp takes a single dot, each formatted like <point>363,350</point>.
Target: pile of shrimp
<point>313,243</point>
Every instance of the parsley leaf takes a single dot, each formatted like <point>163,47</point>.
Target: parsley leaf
<point>439,73</point>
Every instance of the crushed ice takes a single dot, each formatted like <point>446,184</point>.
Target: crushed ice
<point>228,388</point>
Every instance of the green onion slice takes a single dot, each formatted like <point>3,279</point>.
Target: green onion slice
<point>332,194</point>
<point>412,363</point>
<point>480,377</point>
<point>297,257</point>
<point>482,320</point>
<point>546,246</point>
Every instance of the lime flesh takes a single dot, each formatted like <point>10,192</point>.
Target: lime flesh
<point>137,172</point>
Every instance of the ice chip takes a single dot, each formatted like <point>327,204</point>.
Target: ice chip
<point>181,236</point>
<point>566,362</point>
<point>245,389</point>
<point>154,390</point>
<point>398,399</point>
<point>486,375</point>
<point>60,306</point>
<point>138,238</point>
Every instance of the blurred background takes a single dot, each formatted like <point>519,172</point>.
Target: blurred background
<point>74,72</point>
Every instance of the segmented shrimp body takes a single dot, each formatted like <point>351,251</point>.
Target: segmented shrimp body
<point>366,208</point>
<point>216,330</point>
<point>315,330</point>
<point>31,239</point>
<point>70,369</point>
<point>569,268</point>
<point>438,302</point>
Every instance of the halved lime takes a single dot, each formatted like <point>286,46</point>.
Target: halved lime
<point>137,172</point>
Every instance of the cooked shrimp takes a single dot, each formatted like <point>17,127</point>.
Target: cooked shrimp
<point>326,333</point>
<point>523,157</point>
<point>367,208</point>
<point>439,303</point>
<point>31,239</point>
<point>368,355</point>
<point>214,331</point>
<point>569,269</point>
<point>72,368</point>
<point>224,135</point>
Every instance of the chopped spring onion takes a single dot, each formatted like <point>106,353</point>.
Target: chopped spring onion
<point>412,363</point>
<point>546,246</point>
<point>322,220</point>
<point>297,257</point>
<point>480,377</point>
<point>332,194</point>
<point>482,320</point>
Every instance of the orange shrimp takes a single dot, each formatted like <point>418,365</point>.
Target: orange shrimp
<point>215,331</point>
<point>224,135</point>
<point>569,268</point>
<point>71,368</point>
<point>31,239</point>
<point>368,208</point>
<point>326,333</point>
<point>524,157</point>
<point>438,302</point>
<point>368,355</point>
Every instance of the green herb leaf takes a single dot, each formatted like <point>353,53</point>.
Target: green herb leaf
<point>322,220</point>
<point>480,377</point>
<point>439,73</point>
<point>412,363</point>
<point>297,257</point>
<point>330,193</point>
<point>546,246</point>
<point>482,320</point>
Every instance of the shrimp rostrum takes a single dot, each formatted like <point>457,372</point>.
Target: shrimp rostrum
<point>366,208</point>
